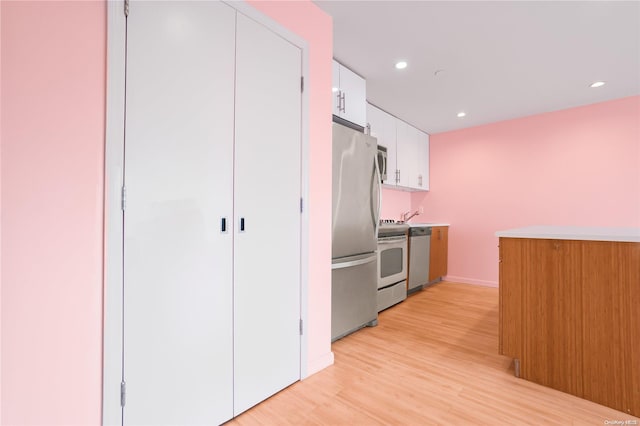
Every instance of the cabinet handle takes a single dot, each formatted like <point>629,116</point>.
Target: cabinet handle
<point>344,104</point>
<point>439,234</point>
<point>419,180</point>
<point>339,101</point>
<point>223,225</point>
<point>242,224</point>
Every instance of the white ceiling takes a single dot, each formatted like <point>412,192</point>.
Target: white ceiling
<point>499,60</point>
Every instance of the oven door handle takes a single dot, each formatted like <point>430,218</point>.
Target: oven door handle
<point>391,240</point>
<point>352,263</point>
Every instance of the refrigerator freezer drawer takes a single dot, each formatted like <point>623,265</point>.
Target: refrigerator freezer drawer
<point>353,294</point>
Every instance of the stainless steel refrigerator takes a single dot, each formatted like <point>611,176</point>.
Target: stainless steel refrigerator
<point>356,214</point>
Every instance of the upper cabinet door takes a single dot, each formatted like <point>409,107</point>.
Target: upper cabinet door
<point>405,154</point>
<point>335,90</point>
<point>354,102</point>
<point>374,120</point>
<point>423,161</point>
<point>383,128</point>
<point>407,150</point>
<point>350,101</point>
<point>412,152</point>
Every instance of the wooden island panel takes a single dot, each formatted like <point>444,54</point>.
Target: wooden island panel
<point>570,313</point>
<point>552,347</point>
<point>604,329</point>
<point>631,333</point>
<point>512,270</point>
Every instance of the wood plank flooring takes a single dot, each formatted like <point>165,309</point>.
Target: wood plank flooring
<point>432,360</point>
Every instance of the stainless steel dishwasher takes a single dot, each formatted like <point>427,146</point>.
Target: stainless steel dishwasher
<point>419,248</point>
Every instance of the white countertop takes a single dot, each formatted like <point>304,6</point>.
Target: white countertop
<point>428,224</point>
<point>574,233</point>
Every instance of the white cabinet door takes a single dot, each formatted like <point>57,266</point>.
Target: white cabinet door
<point>350,102</point>
<point>267,200</point>
<point>354,104</point>
<point>423,161</point>
<point>407,150</point>
<point>391,136</point>
<point>383,128</point>
<point>405,160</point>
<point>178,359</point>
<point>374,120</point>
<point>335,89</point>
<point>412,157</point>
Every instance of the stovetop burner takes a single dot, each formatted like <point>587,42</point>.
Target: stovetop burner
<point>389,222</point>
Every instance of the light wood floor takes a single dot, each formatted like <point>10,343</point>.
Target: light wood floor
<point>433,359</point>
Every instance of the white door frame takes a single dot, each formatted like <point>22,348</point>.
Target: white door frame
<point>113,225</point>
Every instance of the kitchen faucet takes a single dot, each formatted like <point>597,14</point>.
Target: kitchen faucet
<point>404,218</point>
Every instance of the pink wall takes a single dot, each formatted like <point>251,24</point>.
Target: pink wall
<point>53,104</point>
<point>52,142</point>
<point>395,203</point>
<point>579,166</point>
<point>312,24</point>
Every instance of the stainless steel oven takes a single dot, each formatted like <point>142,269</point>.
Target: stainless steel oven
<point>392,265</point>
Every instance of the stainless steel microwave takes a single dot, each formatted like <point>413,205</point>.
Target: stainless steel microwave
<point>382,162</point>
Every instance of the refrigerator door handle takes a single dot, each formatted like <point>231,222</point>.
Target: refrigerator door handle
<point>352,263</point>
<point>376,224</point>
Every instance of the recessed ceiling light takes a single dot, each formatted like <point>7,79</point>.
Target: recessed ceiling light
<point>401,65</point>
<point>597,84</point>
<point>462,114</point>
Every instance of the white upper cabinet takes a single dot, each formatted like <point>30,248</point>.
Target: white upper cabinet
<point>383,128</point>
<point>349,95</point>
<point>423,161</point>
<point>412,157</point>
<point>407,150</point>
<point>335,89</point>
<point>407,155</point>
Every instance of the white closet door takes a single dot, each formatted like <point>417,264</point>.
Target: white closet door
<point>178,357</point>
<point>267,196</point>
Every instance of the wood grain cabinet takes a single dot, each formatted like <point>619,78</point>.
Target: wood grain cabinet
<point>438,253</point>
<point>569,315</point>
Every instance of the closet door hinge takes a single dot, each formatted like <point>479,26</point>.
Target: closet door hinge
<point>126,7</point>
<point>123,198</point>
<point>123,393</point>
<point>301,84</point>
<point>301,327</point>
